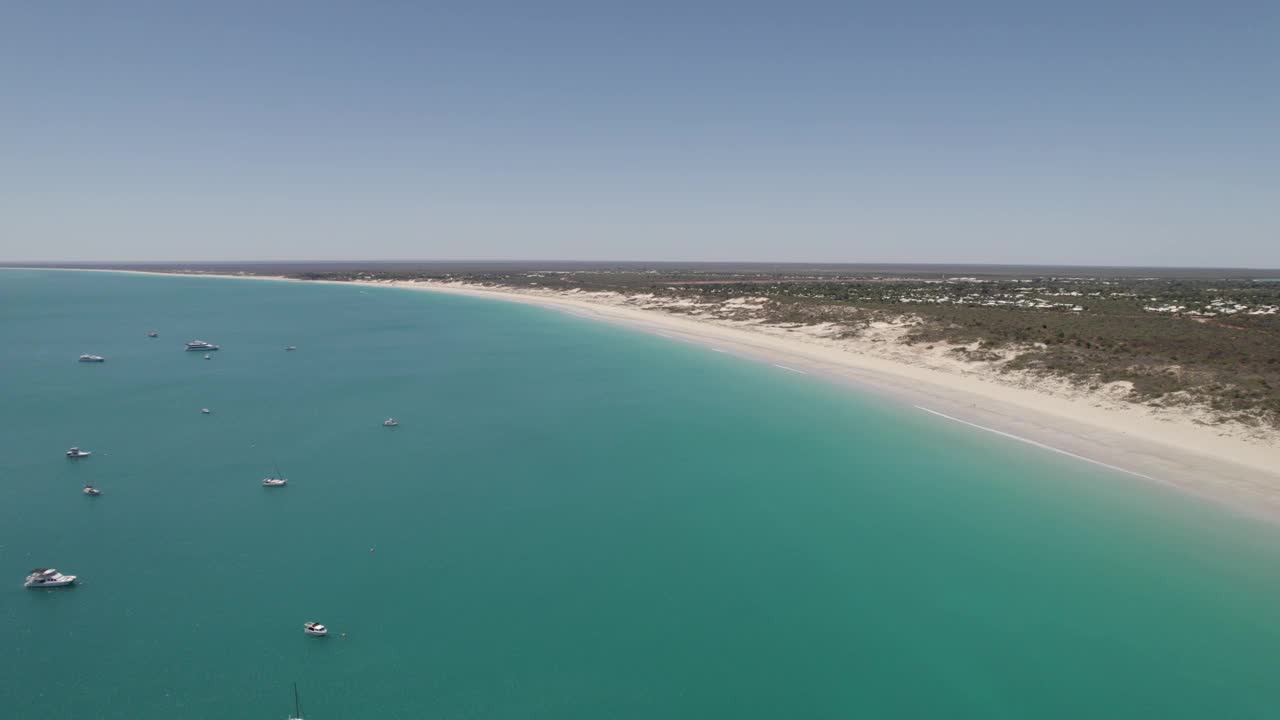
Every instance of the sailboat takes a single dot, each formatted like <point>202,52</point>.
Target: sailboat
<point>275,480</point>
<point>297,706</point>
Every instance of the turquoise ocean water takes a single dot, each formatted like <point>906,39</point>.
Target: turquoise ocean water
<point>572,521</point>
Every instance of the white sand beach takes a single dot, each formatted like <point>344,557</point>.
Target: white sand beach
<point>1178,446</point>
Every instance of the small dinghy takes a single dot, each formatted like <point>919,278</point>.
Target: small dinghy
<point>314,628</point>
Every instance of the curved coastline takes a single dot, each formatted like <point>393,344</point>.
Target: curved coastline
<point>1227,470</point>
<point>1242,475</point>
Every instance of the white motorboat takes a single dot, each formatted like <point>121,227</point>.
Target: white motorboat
<point>314,628</point>
<point>390,422</point>
<point>208,356</point>
<point>290,347</point>
<point>197,345</point>
<point>76,452</point>
<point>48,577</point>
<point>89,489</point>
<point>204,411</point>
<point>153,333</point>
<point>92,358</point>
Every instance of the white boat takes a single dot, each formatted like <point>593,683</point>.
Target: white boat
<point>92,358</point>
<point>390,422</point>
<point>76,452</point>
<point>153,333</point>
<point>204,411</point>
<point>275,480</point>
<point>208,356</point>
<point>290,347</point>
<point>91,490</point>
<point>314,628</point>
<point>48,577</point>
<point>197,345</point>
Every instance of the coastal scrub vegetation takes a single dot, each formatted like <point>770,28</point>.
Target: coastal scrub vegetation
<point>1199,340</point>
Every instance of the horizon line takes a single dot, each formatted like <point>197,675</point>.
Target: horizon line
<point>56,263</point>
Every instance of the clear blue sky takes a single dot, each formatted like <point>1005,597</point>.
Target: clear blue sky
<point>1067,132</point>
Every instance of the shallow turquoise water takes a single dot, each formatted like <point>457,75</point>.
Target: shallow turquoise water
<point>573,521</point>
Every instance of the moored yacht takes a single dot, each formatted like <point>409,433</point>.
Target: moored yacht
<point>48,577</point>
<point>76,452</point>
<point>390,422</point>
<point>314,628</point>
<point>196,345</point>
<point>92,358</point>
<point>275,480</point>
<point>89,489</point>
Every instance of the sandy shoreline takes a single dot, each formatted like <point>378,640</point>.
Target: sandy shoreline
<point>1229,468</point>
<point>1243,474</point>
